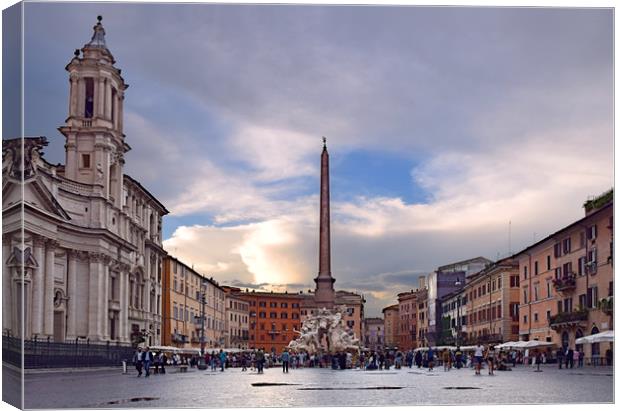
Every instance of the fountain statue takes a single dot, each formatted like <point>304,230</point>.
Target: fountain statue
<point>324,332</point>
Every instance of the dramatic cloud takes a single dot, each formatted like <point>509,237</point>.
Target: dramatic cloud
<point>496,115</point>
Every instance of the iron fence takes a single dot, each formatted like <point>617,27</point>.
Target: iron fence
<point>49,354</point>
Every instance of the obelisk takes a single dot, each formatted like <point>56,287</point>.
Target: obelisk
<point>324,294</point>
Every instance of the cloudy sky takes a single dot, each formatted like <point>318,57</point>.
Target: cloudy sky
<point>443,125</point>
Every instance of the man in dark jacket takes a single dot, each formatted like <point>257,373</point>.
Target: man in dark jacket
<point>137,361</point>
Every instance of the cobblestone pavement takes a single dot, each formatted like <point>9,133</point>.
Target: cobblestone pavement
<point>317,387</point>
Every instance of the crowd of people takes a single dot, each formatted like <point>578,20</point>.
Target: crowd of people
<point>476,357</point>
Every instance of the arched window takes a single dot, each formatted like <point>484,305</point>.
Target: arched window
<point>596,347</point>
<point>565,340</point>
<point>578,334</point>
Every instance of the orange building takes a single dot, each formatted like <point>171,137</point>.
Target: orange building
<point>274,318</point>
<point>391,323</point>
<point>407,320</point>
<point>566,281</point>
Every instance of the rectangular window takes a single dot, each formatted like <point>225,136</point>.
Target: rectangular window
<point>536,293</point>
<point>582,301</point>
<point>284,315</point>
<point>525,319</point>
<point>581,264</point>
<point>113,104</point>
<point>582,240</point>
<point>85,160</point>
<point>273,315</point>
<point>525,297</point>
<point>591,265</point>
<point>525,272</point>
<point>558,273</point>
<point>548,262</point>
<point>548,289</point>
<point>499,283</point>
<point>567,269</point>
<point>566,247</point>
<point>591,232</point>
<point>89,98</point>
<point>283,305</point>
<point>592,296</point>
<point>535,317</point>
<point>557,250</point>
<point>262,314</point>
<point>548,316</point>
<point>535,267</point>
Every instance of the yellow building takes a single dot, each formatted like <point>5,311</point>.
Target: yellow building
<point>492,303</point>
<point>183,289</point>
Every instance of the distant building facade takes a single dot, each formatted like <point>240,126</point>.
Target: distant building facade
<point>274,319</point>
<point>492,301</point>
<point>391,321</point>
<point>185,290</point>
<point>374,333</point>
<point>91,250</point>
<point>407,320</point>
<point>237,319</point>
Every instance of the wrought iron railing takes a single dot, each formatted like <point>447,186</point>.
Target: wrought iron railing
<point>568,317</point>
<point>77,353</point>
<point>565,283</point>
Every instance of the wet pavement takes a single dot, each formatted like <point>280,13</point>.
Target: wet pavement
<point>316,387</point>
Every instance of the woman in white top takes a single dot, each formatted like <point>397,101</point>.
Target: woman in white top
<point>479,357</point>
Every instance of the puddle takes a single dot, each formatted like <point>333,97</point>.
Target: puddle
<point>270,384</point>
<point>348,388</point>
<point>461,388</point>
<point>136,399</point>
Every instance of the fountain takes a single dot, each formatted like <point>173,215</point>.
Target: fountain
<point>324,332</point>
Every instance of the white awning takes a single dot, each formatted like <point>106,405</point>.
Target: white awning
<point>605,336</point>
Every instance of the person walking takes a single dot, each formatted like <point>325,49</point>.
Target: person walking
<point>285,359</point>
<point>575,358</point>
<point>431,358</point>
<point>458,357</point>
<point>570,355</point>
<point>213,361</point>
<point>260,359</point>
<point>148,359</point>
<point>581,355</point>
<point>137,361</point>
<point>560,357</point>
<point>491,359</point>
<point>222,360</point>
<point>478,356</point>
<point>162,362</point>
<point>446,359</point>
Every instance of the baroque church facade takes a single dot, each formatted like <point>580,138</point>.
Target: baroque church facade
<point>85,258</point>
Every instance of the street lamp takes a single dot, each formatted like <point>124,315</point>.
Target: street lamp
<point>458,311</point>
<point>203,301</point>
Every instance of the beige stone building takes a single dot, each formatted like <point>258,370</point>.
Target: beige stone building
<point>374,333</point>
<point>91,250</point>
<point>566,281</point>
<point>237,320</point>
<point>391,322</point>
<point>491,304</point>
<point>183,307</point>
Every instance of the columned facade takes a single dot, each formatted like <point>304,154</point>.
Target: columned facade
<point>87,227</point>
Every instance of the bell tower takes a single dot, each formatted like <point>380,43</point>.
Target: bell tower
<point>95,143</point>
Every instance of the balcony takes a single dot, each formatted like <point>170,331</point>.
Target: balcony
<point>568,319</point>
<point>565,284</point>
